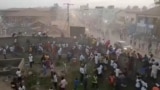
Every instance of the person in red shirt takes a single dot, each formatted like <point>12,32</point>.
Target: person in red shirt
<point>107,43</point>
<point>112,80</point>
<point>156,87</point>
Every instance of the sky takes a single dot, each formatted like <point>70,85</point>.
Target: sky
<point>45,3</point>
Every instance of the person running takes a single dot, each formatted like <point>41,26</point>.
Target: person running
<point>63,83</point>
<point>82,73</point>
<point>30,57</point>
<point>55,80</point>
<point>156,87</point>
<point>138,83</point>
<point>81,58</point>
<point>19,75</point>
<point>117,72</point>
<point>76,83</point>
<point>4,53</point>
<point>59,53</point>
<point>112,80</point>
<point>99,71</point>
<point>95,81</point>
<point>96,60</point>
<point>144,85</point>
<point>154,70</point>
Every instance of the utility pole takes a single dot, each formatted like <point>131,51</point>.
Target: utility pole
<point>68,14</point>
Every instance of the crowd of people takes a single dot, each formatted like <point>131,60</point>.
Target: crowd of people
<point>106,61</point>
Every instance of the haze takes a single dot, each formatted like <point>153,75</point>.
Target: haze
<point>92,3</point>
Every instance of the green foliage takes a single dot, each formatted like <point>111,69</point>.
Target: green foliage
<point>45,82</point>
<point>59,63</point>
<point>31,81</point>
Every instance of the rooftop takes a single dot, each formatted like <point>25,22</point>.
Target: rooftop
<point>27,12</point>
<point>155,11</point>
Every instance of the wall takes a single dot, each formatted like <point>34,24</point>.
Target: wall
<point>145,24</point>
<point>126,17</point>
<point>10,66</point>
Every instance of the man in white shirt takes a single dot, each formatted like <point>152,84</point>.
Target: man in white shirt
<point>97,44</point>
<point>107,52</point>
<point>4,53</point>
<point>87,51</point>
<point>55,80</point>
<point>99,70</point>
<point>39,33</point>
<point>63,84</point>
<point>30,60</point>
<point>144,85</point>
<point>151,61</point>
<point>82,73</point>
<point>99,56</point>
<point>138,83</point>
<point>96,59</point>
<point>40,49</point>
<point>103,42</point>
<point>117,72</point>
<point>81,58</point>
<point>154,70</point>
<point>21,87</point>
<point>59,53</point>
<point>11,49</point>
<point>19,75</point>
<point>112,63</point>
<point>118,53</point>
<point>115,65</point>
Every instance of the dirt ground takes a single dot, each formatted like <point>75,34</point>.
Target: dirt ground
<point>4,85</point>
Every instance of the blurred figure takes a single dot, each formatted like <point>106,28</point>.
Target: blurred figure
<point>156,87</point>
<point>85,82</point>
<point>55,80</point>
<point>4,53</point>
<point>30,57</point>
<point>95,82</point>
<point>76,83</point>
<point>63,83</point>
<point>154,70</point>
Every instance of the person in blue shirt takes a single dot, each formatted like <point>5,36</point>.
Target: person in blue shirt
<point>76,83</point>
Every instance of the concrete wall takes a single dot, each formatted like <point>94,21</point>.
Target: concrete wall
<point>33,40</point>
<point>128,17</point>
<point>10,66</point>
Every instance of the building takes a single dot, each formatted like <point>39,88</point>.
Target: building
<point>84,7</point>
<point>147,20</point>
<point>28,19</point>
<point>126,21</point>
<point>126,16</point>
